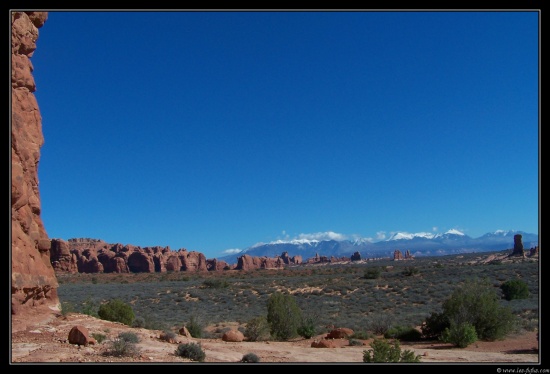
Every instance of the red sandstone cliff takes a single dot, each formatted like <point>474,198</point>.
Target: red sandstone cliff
<point>33,281</point>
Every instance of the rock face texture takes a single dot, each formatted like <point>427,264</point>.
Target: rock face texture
<point>33,281</point>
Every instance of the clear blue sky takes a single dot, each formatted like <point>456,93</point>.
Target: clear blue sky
<point>213,131</point>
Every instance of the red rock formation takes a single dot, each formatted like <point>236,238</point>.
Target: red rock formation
<point>397,255</point>
<point>247,262</point>
<point>233,336</point>
<point>61,257</point>
<point>33,281</point>
<point>80,335</point>
<point>192,261</point>
<point>217,265</point>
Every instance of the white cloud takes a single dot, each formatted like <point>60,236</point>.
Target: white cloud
<point>434,229</point>
<point>232,251</point>
<point>327,235</point>
<point>381,235</point>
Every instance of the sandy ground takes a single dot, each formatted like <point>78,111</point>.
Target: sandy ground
<point>45,341</point>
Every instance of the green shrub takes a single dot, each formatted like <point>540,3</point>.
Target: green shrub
<point>461,335</point>
<point>283,315</point>
<point>410,271</point>
<point>307,327</point>
<point>215,283</point>
<point>515,289</point>
<point>383,351</point>
<point>99,338</point>
<point>194,326</point>
<point>129,336</point>
<point>192,351</point>
<point>372,273</point>
<point>476,303</point>
<point>122,347</point>
<point>257,329</point>
<point>250,357</point>
<point>117,310</point>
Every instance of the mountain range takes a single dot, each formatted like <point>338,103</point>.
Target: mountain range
<point>418,244</point>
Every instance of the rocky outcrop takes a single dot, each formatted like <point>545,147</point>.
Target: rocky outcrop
<point>217,265</point>
<point>33,281</point>
<point>296,260</point>
<point>340,333</point>
<point>247,262</point>
<point>398,255</point>
<point>61,257</point>
<point>518,246</point>
<point>233,336</point>
<point>80,335</point>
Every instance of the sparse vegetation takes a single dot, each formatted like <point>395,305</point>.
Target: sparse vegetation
<point>383,351</point>
<point>129,336</point>
<point>99,337</point>
<point>372,273</point>
<point>122,347</point>
<point>192,351</point>
<point>168,336</point>
<point>368,305</point>
<point>250,357</point>
<point>257,329</point>
<point>195,327</point>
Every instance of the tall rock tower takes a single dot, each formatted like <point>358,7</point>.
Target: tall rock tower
<point>33,281</point>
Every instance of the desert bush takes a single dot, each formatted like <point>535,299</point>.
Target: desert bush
<point>383,351</point>
<point>99,338</point>
<point>66,308</point>
<point>192,351</point>
<point>168,335</point>
<point>372,273</point>
<point>215,283</point>
<point>476,303</point>
<point>250,357</point>
<point>117,310</point>
<point>195,327</point>
<point>283,315</point>
<point>121,347</point>
<point>257,329</point>
<point>461,335</point>
<point>380,324</point>
<point>410,271</point>
<point>515,289</point>
<point>129,336</point>
<point>307,327</point>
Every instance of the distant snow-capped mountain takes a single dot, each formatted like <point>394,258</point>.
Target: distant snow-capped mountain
<point>418,244</point>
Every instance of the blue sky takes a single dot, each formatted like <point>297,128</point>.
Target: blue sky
<point>213,131</point>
